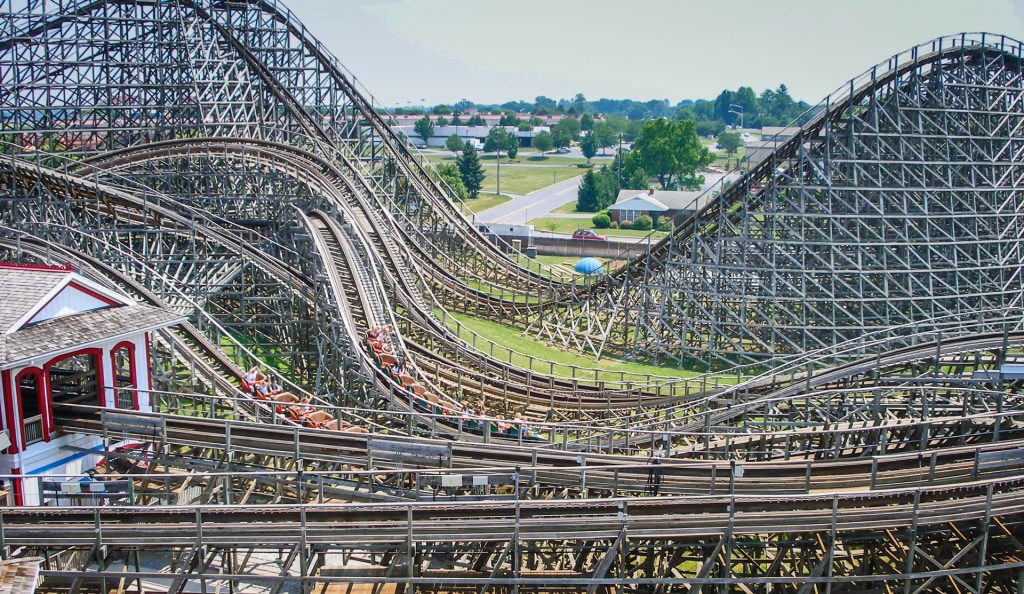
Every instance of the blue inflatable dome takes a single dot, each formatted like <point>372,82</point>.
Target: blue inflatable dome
<point>589,266</point>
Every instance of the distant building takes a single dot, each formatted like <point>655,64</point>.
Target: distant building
<point>771,137</point>
<point>441,134</point>
<point>489,119</point>
<point>778,133</point>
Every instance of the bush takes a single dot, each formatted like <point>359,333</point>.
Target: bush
<point>584,165</point>
<point>665,224</point>
<point>601,220</point>
<point>626,225</point>
<point>643,223</point>
<point>614,225</point>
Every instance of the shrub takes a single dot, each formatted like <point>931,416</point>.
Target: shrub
<point>626,225</point>
<point>643,223</point>
<point>601,220</point>
<point>584,165</point>
<point>614,225</point>
<point>665,224</point>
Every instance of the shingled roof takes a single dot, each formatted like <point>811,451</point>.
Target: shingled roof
<point>81,330</point>
<point>23,288</point>
<point>18,576</point>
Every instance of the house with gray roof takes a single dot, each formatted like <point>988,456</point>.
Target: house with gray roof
<point>631,204</point>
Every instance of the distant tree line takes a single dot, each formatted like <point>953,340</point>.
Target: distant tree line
<point>772,107</point>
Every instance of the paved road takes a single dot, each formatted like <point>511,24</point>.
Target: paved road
<point>611,238</point>
<point>535,204</point>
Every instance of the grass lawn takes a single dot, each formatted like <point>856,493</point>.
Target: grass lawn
<point>549,159</point>
<point>437,158</point>
<point>558,267</point>
<point>560,225</point>
<point>527,345</point>
<point>563,261</point>
<point>523,179</point>
<point>483,202</point>
<point>570,208</point>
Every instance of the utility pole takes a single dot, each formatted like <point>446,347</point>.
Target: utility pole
<point>497,156</point>
<point>620,160</point>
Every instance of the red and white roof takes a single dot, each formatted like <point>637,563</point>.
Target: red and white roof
<point>45,310</point>
<point>34,294</point>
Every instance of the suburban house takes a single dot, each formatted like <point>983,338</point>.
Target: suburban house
<point>676,204</point>
<point>65,340</point>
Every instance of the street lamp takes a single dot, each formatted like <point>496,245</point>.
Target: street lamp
<point>733,109</point>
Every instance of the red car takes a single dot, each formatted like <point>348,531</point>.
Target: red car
<point>588,234</point>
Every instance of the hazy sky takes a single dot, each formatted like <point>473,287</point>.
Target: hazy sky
<point>490,51</point>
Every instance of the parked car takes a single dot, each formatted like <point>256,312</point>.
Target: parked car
<point>587,234</point>
<point>563,150</point>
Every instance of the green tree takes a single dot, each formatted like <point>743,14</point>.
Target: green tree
<point>475,120</point>
<point>441,109</point>
<point>424,128</point>
<point>607,187</point>
<point>601,220</point>
<point>589,146</point>
<point>471,171</point>
<point>449,172</point>
<point>580,102</point>
<point>512,146</point>
<point>441,121</point>
<point>497,140</point>
<point>508,119</point>
<point>746,99</point>
<point>454,143</point>
<point>730,142</point>
<point>586,195</point>
<point>630,171</point>
<point>545,102</point>
<point>670,150</point>
<point>587,122</point>
<point>561,137</point>
<point>709,127</point>
<point>456,120</point>
<point>570,127</point>
<point>543,142</point>
<point>604,135</point>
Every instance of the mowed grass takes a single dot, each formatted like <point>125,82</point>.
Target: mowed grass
<point>518,177</point>
<point>512,338</point>
<point>566,264</point>
<point>560,225</point>
<point>549,159</point>
<point>570,208</point>
<point>482,203</point>
<point>522,179</point>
